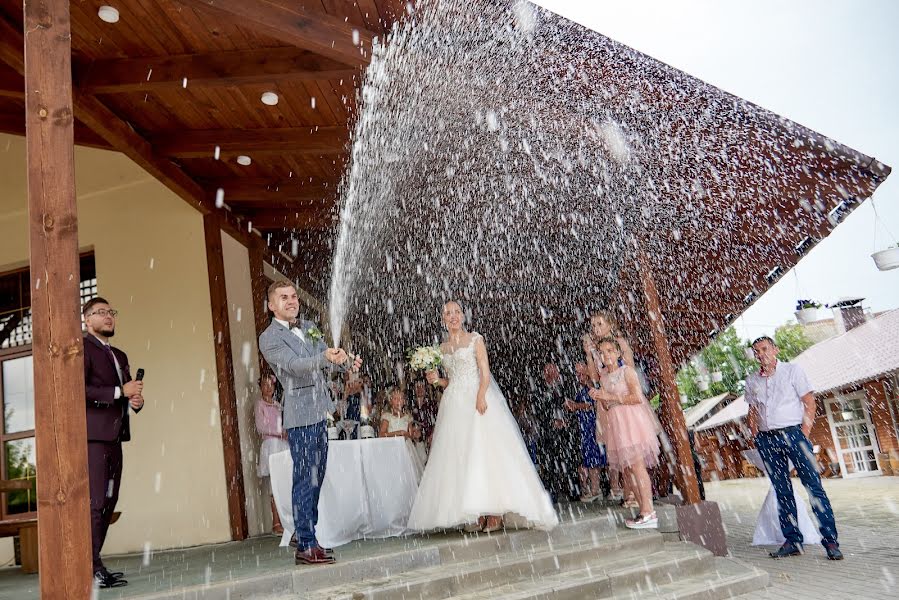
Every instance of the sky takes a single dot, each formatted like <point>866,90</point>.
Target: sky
<point>829,65</point>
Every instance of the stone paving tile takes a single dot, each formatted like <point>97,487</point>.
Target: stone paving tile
<point>867,514</point>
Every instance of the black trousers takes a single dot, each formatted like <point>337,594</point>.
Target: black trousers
<point>104,463</point>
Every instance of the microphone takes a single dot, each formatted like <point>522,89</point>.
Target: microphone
<point>140,375</point>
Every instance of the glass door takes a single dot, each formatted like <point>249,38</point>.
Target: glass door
<point>850,426</point>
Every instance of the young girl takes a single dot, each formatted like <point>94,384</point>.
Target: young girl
<point>630,429</point>
<point>603,325</point>
<point>396,421</point>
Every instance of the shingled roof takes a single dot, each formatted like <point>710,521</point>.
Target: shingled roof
<point>859,355</point>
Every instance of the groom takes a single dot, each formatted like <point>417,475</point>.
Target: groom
<point>301,361</point>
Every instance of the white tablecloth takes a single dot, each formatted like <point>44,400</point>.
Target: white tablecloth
<point>368,491</point>
<point>767,528</point>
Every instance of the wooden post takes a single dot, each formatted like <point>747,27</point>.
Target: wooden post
<point>60,420</point>
<point>672,415</point>
<point>224,367</point>
<point>259,285</point>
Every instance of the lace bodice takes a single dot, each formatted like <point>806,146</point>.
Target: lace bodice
<point>462,362</point>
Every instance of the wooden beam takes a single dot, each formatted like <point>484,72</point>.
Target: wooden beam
<point>15,124</point>
<point>252,142</point>
<point>259,285</point>
<point>673,416</point>
<point>63,499</point>
<point>299,218</point>
<point>294,24</point>
<point>224,366</point>
<point>220,69</point>
<point>256,191</point>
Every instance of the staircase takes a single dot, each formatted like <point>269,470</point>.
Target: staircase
<point>590,555</point>
<point>590,558</point>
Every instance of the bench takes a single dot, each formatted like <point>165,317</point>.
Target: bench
<point>26,528</point>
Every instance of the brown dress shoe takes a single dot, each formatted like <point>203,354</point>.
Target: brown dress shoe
<point>312,556</point>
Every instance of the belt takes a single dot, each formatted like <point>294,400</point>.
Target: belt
<point>778,430</point>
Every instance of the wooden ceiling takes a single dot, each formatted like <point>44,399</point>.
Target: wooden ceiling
<point>177,85</point>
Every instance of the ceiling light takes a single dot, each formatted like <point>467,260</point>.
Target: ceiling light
<point>244,160</point>
<point>109,14</point>
<point>269,98</point>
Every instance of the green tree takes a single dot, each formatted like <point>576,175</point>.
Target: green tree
<point>726,355</point>
<point>791,340</point>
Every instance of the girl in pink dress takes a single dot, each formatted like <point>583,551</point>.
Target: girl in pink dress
<point>629,428</point>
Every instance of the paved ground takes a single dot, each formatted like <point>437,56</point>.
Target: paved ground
<point>867,513</point>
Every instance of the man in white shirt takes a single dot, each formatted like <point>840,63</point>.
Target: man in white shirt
<point>781,413</point>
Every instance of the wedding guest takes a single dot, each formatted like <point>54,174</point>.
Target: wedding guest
<point>630,429</point>
<point>530,432</point>
<point>110,392</point>
<point>302,362</point>
<point>274,439</point>
<point>592,456</point>
<point>781,413</point>
<point>424,410</point>
<point>560,446</point>
<point>397,420</point>
<point>604,325</point>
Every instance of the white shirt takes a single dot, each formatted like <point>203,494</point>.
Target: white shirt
<point>295,330</point>
<point>118,369</point>
<point>777,398</point>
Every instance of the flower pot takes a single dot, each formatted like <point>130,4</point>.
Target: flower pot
<point>807,315</point>
<point>684,399</point>
<point>366,432</point>
<point>703,385</point>
<point>332,433</point>
<point>717,376</point>
<point>886,259</point>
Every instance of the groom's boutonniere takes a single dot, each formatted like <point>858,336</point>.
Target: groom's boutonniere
<point>314,334</point>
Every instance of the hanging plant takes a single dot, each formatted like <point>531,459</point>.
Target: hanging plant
<point>887,259</point>
<point>807,311</point>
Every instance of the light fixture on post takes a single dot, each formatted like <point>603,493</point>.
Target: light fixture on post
<point>269,98</point>
<point>244,160</point>
<point>109,14</point>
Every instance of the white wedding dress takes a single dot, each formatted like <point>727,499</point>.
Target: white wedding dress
<point>478,464</point>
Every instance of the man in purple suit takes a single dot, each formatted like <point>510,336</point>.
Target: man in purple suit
<point>110,392</point>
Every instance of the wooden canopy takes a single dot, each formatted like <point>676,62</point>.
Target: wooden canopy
<point>176,85</point>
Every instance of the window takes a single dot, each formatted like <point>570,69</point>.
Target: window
<point>17,450</point>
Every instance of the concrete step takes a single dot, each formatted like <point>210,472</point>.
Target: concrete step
<point>523,565</point>
<point>723,578</point>
<point>606,577</point>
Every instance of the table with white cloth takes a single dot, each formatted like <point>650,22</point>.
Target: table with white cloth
<point>368,490</point>
<point>767,528</point>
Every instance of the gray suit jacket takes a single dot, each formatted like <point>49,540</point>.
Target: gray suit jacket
<point>302,369</point>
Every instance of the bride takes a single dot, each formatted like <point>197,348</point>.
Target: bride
<point>478,469</point>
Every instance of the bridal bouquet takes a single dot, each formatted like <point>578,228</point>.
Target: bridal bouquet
<point>425,358</point>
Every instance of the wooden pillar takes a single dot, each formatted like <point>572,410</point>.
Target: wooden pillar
<point>60,420</point>
<point>672,415</point>
<point>224,367</point>
<point>259,285</point>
